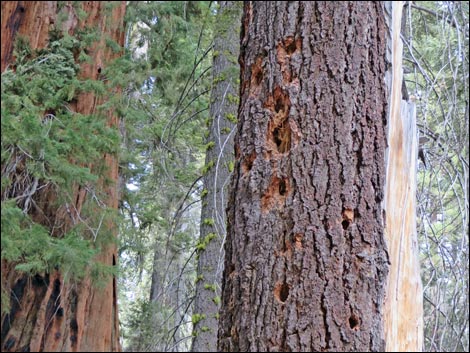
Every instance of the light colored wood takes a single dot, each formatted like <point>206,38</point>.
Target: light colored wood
<point>404,295</point>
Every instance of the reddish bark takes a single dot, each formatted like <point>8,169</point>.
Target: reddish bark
<point>46,313</point>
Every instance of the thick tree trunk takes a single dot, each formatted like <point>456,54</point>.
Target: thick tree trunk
<point>224,105</point>
<point>48,314</point>
<point>306,261</point>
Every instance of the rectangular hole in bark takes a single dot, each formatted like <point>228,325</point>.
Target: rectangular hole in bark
<point>348,218</point>
<point>281,292</point>
<point>257,74</point>
<point>282,137</point>
<point>276,194</point>
<point>298,240</point>
<point>248,162</point>
<point>282,187</point>
<point>284,294</point>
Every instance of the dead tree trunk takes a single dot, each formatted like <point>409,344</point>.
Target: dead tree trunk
<point>403,313</point>
<point>48,314</point>
<point>306,259</point>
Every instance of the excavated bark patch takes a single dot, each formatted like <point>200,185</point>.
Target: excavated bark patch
<point>281,292</point>
<point>276,194</point>
<point>307,224</point>
<point>248,162</point>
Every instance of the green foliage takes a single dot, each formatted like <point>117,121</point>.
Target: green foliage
<point>47,146</point>
<point>436,54</point>
<point>166,72</point>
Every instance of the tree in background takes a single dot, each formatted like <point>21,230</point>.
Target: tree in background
<point>306,260</point>
<point>436,38</point>
<point>166,112</point>
<point>218,168</point>
<point>59,175</point>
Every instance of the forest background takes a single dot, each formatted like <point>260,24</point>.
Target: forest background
<point>164,135</point>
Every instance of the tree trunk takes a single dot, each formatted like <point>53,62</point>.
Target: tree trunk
<point>48,314</point>
<point>224,105</point>
<point>306,261</point>
<point>403,312</point>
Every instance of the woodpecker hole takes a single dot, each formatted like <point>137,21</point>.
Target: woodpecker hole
<point>348,217</point>
<point>282,187</point>
<point>354,323</point>
<point>281,292</point>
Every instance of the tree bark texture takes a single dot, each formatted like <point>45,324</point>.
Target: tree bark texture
<point>48,314</point>
<point>306,260</point>
<point>224,106</point>
<point>403,312</point>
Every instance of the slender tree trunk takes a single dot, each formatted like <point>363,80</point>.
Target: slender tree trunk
<point>403,310</point>
<point>306,261</point>
<point>219,163</point>
<point>48,314</point>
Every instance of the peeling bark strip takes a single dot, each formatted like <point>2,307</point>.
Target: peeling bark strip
<point>403,312</point>
<point>46,313</point>
<point>306,261</point>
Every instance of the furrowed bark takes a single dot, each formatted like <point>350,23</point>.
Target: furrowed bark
<point>306,260</point>
<point>224,105</point>
<point>48,314</point>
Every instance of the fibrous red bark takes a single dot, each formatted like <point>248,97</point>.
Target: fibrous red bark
<point>48,314</point>
<point>306,261</point>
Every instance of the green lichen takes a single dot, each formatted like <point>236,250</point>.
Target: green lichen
<point>207,167</point>
<point>216,300</point>
<point>211,287</point>
<point>202,243</point>
<point>197,317</point>
<point>232,99</point>
<point>210,145</point>
<point>208,121</point>
<point>209,222</point>
<point>231,166</point>
<point>231,117</point>
<point>225,130</point>
<point>219,78</point>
